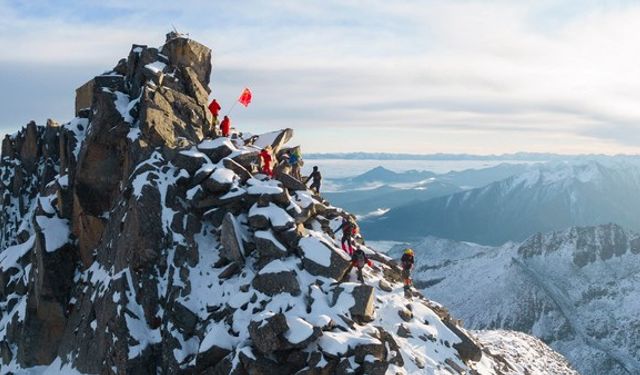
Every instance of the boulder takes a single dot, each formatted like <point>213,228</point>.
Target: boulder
<point>290,182</point>
<point>291,238</point>
<point>210,357</point>
<point>364,296</point>
<point>404,331</point>
<point>189,160</point>
<point>272,282</point>
<point>468,348</point>
<point>393,356</point>
<point>259,221</point>
<point>385,286</point>
<point>183,318</point>
<point>217,149</point>
<point>232,247</point>
<point>405,314</point>
<point>268,246</point>
<point>194,87</point>
<point>261,218</point>
<point>267,334</point>
<point>220,181</point>
<point>259,365</point>
<point>185,52</point>
<point>322,259</point>
<point>201,174</point>
<point>248,160</point>
<point>240,171</point>
<point>232,201</point>
<point>168,115</point>
<point>378,367</point>
<point>275,139</point>
<point>377,351</point>
<point>231,270</point>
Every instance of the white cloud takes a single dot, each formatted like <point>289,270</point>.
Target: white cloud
<point>474,75</point>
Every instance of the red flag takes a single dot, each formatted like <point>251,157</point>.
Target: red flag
<point>245,97</point>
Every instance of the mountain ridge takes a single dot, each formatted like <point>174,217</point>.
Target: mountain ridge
<point>152,244</point>
<point>554,196</point>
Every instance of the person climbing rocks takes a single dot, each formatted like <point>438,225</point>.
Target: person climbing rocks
<point>265,157</point>
<point>225,126</point>
<point>358,260</point>
<point>295,162</point>
<point>215,108</point>
<point>317,180</point>
<point>349,229</point>
<point>407,265</point>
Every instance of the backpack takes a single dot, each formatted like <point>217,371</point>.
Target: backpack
<point>407,261</point>
<point>347,227</point>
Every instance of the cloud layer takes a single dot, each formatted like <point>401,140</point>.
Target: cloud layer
<point>440,76</point>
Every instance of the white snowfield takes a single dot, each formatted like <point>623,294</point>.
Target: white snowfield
<point>576,289</point>
<point>323,304</point>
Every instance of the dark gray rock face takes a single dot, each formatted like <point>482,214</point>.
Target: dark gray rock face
<point>363,308</point>
<point>230,239</point>
<point>267,334</point>
<point>272,283</point>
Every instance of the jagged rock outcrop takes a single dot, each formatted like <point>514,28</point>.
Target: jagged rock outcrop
<point>135,240</point>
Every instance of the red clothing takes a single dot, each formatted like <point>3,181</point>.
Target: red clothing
<point>266,163</point>
<point>225,126</point>
<point>214,107</point>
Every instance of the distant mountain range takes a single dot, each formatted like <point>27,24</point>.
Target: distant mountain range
<point>576,289</point>
<point>381,189</point>
<point>528,156</point>
<point>548,197</point>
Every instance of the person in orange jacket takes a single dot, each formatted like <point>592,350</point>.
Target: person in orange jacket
<point>225,126</point>
<point>214,107</point>
<point>266,161</point>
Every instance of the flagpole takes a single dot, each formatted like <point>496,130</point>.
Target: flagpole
<point>232,107</point>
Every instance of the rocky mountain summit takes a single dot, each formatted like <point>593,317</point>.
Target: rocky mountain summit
<point>576,289</point>
<point>136,240</point>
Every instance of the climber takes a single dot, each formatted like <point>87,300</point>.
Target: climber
<point>349,229</point>
<point>295,162</point>
<point>407,264</point>
<point>266,158</point>
<point>317,180</point>
<point>358,260</point>
<point>225,126</point>
<point>214,107</point>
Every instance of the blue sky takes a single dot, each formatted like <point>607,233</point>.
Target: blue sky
<point>394,76</point>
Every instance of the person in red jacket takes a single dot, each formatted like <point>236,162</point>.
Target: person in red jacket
<point>214,107</point>
<point>225,126</point>
<point>266,161</point>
